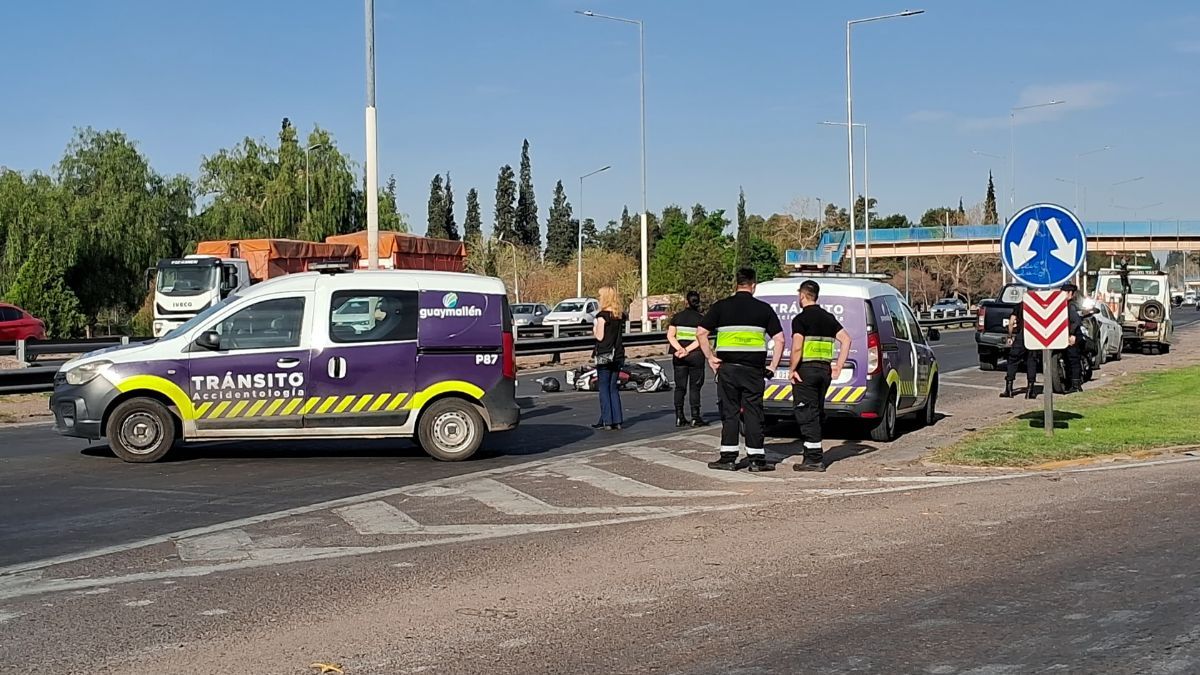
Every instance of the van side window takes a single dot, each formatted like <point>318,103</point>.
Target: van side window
<point>899,323</point>
<point>271,324</point>
<point>914,327</point>
<point>373,316</point>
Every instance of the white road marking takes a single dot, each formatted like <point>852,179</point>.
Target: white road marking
<point>227,545</point>
<point>378,518</point>
<point>509,500</point>
<point>923,479</point>
<point>8,616</point>
<point>623,486</point>
<point>689,465</point>
<point>951,383</point>
<point>213,612</point>
<point>139,603</point>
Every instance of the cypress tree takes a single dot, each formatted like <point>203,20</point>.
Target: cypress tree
<point>527,212</point>
<point>560,234</point>
<point>743,231</point>
<point>990,217</point>
<point>473,225</point>
<point>436,219</point>
<point>450,227</point>
<point>505,224</point>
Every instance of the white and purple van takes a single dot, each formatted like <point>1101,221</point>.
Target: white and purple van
<point>315,355</point>
<point>891,370</point>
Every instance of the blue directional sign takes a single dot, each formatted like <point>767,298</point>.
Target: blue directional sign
<point>1043,246</point>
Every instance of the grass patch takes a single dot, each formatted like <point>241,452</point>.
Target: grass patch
<point>1151,410</point>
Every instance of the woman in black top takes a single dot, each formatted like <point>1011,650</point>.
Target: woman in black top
<point>610,355</point>
<point>687,359</point>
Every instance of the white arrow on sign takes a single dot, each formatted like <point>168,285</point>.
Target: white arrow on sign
<point>1022,252</point>
<point>1063,250</point>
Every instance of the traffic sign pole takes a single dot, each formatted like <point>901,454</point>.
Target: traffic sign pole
<point>1048,388</point>
<point>1044,246</point>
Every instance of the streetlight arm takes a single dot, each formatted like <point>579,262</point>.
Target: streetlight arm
<point>907,12</point>
<point>605,16</point>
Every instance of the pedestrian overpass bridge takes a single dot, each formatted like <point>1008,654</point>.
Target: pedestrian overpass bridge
<point>1115,237</point>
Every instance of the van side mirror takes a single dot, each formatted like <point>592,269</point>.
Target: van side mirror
<point>209,339</point>
<point>934,334</point>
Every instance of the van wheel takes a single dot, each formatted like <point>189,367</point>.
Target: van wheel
<point>929,416</point>
<point>450,430</point>
<point>141,430</point>
<point>885,430</point>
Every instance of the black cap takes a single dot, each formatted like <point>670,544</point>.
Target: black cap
<point>1070,287</point>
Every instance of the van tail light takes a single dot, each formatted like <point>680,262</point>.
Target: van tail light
<point>510,356</point>
<point>979,319</point>
<point>874,362</point>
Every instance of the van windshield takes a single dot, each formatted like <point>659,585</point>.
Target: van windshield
<point>569,306</point>
<point>199,318</point>
<point>1137,286</point>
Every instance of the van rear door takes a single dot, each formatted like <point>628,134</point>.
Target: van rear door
<point>850,386</point>
<point>902,356</point>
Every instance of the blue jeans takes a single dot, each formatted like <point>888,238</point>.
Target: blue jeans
<point>609,384</point>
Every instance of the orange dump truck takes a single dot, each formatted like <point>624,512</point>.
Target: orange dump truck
<point>403,251</point>
<point>270,258</point>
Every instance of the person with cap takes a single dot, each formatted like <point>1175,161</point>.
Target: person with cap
<point>815,363</point>
<point>744,325</point>
<point>687,360</point>
<point>1019,356</point>
<point>1075,341</point>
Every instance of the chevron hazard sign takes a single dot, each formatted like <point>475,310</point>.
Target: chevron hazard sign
<point>1046,320</point>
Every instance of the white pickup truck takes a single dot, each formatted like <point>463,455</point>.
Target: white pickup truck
<point>1140,300</point>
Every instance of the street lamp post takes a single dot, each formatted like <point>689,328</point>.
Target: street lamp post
<point>1077,182</point>
<point>850,123</point>
<point>307,197</point>
<point>1112,188</point>
<point>645,264</point>
<point>372,145</point>
<point>579,251</point>
<point>516,278</point>
<point>1012,150</point>
<point>866,194</point>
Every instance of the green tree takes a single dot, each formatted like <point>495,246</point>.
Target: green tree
<point>743,232</point>
<point>560,234</point>
<point>860,215</point>
<point>763,258</point>
<point>941,217</point>
<point>436,210</point>
<point>990,216</point>
<point>591,238</point>
<point>505,218</point>
<point>473,225</point>
<point>528,231</point>
<point>699,215</point>
<point>390,218</point>
<point>836,218</point>
<point>41,289</point>
<point>896,220</point>
<point>708,255</point>
<point>450,227</point>
<point>666,267</point>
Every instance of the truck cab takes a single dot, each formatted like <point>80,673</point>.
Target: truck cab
<point>1140,300</point>
<point>184,287</point>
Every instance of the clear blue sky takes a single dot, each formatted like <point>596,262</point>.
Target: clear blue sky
<point>734,94</point>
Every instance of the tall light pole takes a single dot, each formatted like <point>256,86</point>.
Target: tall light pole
<point>516,278</point>
<point>1012,149</point>
<point>642,102</point>
<point>579,251</point>
<point>1077,181</point>
<point>866,193</point>
<point>372,145</point>
<point>850,123</point>
<point>307,192</point>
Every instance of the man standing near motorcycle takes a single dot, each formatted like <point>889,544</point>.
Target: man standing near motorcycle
<point>743,325</point>
<point>687,360</point>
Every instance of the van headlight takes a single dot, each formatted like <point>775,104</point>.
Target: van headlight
<point>87,372</point>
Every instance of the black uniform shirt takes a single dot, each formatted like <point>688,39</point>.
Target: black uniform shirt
<point>735,313</point>
<point>819,329</point>
<point>685,322</point>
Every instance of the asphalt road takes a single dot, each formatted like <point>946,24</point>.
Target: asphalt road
<point>60,495</point>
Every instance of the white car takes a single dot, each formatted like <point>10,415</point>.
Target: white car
<point>1110,338</point>
<point>573,312</point>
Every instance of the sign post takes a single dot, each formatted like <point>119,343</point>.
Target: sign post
<point>1043,246</point>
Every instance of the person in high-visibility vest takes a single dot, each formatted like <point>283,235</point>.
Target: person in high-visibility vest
<point>687,360</point>
<point>815,363</point>
<point>743,324</point>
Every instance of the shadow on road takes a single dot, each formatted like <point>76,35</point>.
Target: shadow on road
<point>1062,419</point>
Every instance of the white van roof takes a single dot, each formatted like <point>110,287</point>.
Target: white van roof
<point>846,287</point>
<point>380,279</point>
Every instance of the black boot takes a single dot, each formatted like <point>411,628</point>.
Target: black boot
<point>759,463</point>
<point>680,420</point>
<point>1008,389</point>
<point>698,419</point>
<point>1029,392</point>
<point>1075,388</point>
<point>727,462</point>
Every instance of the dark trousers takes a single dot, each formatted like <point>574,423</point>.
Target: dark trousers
<point>1074,358</point>
<point>1018,355</point>
<point>689,378</point>
<point>808,400</point>
<point>609,383</point>
<point>741,404</point>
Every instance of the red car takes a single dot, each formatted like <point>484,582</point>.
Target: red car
<point>17,324</point>
<point>658,311</point>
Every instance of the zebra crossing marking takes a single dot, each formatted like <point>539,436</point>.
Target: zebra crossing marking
<point>690,465</point>
<point>623,486</point>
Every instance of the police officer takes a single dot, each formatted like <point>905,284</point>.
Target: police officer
<point>687,359</point>
<point>1018,355</point>
<point>813,367</point>
<point>743,325</point>
<point>1075,341</point>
